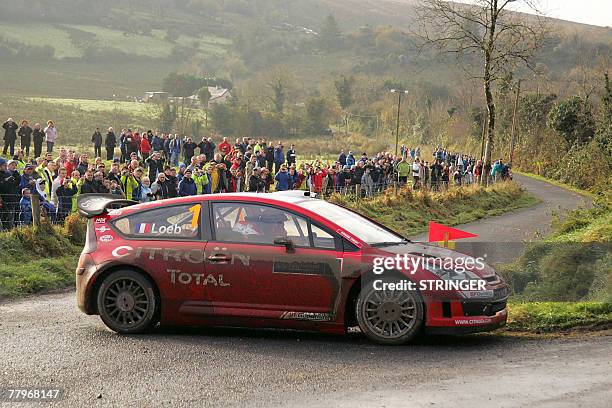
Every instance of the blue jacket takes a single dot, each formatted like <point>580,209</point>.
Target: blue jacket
<point>284,181</point>
<point>350,160</point>
<point>187,187</point>
<point>157,143</point>
<point>208,186</point>
<point>342,159</point>
<point>25,210</point>
<point>279,156</point>
<point>176,145</point>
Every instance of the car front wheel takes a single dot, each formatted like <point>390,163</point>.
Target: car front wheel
<point>127,302</point>
<point>390,317</point>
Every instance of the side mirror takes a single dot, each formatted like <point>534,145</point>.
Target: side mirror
<point>286,242</point>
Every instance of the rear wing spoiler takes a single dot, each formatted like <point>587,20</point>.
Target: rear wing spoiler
<point>92,205</point>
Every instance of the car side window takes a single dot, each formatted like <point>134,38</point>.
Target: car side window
<point>258,224</point>
<point>322,239</point>
<point>176,222</point>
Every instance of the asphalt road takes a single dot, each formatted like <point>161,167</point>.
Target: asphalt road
<point>501,239</point>
<point>46,342</point>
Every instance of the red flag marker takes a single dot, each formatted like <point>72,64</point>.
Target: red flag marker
<point>439,232</point>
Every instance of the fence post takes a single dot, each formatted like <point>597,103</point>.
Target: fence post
<point>35,209</point>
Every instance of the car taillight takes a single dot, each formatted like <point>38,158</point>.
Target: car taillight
<point>91,242</point>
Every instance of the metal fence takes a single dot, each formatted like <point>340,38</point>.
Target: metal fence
<point>16,210</point>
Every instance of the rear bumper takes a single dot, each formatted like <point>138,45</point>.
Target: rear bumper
<point>85,273</point>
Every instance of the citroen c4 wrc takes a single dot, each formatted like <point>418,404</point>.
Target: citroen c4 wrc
<point>283,260</point>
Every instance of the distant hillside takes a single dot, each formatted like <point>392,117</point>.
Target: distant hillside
<point>97,48</point>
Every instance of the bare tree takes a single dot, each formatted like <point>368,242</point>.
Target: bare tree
<point>486,32</point>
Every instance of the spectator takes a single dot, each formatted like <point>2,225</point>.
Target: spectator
<point>65,192</point>
<point>10,180</point>
<point>130,185</point>
<point>283,179</point>
<point>496,170</point>
<point>157,142</point>
<point>350,160</point>
<point>189,150</point>
<point>367,183</point>
<point>225,147</point>
<point>96,139</point>
<point>291,156</point>
<point>255,184</point>
<point>403,171</point>
<point>161,187</point>
<point>145,147</point>
<point>50,135</point>
<point>10,135</point>
<point>25,133</point>
<point>38,136</point>
<point>146,193</point>
<point>279,157</point>
<point>25,207</point>
<point>416,172</point>
<point>110,143</point>
<point>187,185</point>
<point>175,147</point>
<point>342,158</point>
<point>270,157</point>
<point>358,172</point>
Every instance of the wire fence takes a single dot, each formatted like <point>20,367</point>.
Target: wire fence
<point>17,210</point>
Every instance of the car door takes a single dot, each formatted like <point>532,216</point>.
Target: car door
<point>297,281</point>
<point>167,242</point>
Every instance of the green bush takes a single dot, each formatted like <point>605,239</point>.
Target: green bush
<point>574,264</point>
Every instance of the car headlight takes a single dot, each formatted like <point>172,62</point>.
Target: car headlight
<point>450,274</point>
<point>462,276</point>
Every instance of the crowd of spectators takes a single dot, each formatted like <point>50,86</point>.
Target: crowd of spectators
<point>147,166</point>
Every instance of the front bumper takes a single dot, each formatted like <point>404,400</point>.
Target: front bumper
<point>465,317</point>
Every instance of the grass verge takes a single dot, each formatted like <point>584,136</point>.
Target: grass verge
<point>409,212</point>
<point>35,260</point>
<point>548,317</point>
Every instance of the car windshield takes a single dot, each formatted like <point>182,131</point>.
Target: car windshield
<point>357,225</point>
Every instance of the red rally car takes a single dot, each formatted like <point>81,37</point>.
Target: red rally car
<point>280,260</point>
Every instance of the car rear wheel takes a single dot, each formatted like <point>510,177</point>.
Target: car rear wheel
<point>390,317</point>
<point>127,302</point>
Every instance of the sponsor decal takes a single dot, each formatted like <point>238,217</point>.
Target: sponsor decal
<point>100,220</point>
<point>153,229</point>
<point>115,212</point>
<point>199,279</point>
<point>106,238</point>
<point>319,317</point>
<point>300,268</point>
<point>350,238</point>
<point>122,251</point>
<point>103,229</point>
<point>192,256</point>
<point>144,228</point>
<point>472,321</point>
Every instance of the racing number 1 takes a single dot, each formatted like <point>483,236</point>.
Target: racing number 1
<point>195,210</point>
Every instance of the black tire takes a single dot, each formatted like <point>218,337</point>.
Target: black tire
<point>389,317</point>
<point>127,302</point>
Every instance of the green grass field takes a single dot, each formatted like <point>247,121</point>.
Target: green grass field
<point>41,34</point>
<point>78,79</point>
<point>155,45</point>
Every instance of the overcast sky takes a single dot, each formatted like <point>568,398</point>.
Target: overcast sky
<point>596,12</point>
